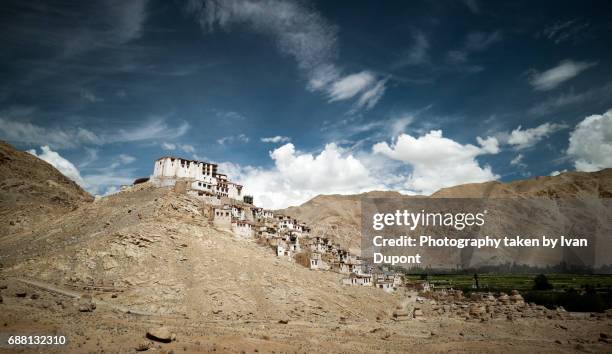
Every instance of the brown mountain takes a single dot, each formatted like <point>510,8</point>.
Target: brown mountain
<point>32,190</point>
<point>339,216</point>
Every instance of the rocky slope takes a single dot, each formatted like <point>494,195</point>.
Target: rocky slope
<point>340,215</point>
<point>32,191</point>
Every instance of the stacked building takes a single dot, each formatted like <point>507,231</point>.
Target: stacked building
<point>235,212</point>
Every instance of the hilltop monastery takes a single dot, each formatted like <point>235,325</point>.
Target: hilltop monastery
<point>231,210</point>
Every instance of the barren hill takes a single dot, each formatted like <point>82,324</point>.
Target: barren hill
<point>149,257</point>
<point>337,216</point>
<point>154,252</point>
<point>340,215</point>
<point>31,190</point>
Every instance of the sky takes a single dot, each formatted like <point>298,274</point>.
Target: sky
<point>299,98</point>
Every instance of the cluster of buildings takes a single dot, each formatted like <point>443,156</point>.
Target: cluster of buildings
<point>290,238</point>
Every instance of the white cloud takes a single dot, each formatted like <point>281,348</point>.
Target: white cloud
<point>126,159</point>
<point>105,183</point>
<point>489,144</point>
<point>518,161</point>
<point>276,139</point>
<point>570,98</point>
<point>351,85</point>
<point>66,167</point>
<point>120,161</point>
<point>107,180</point>
<point>183,147</point>
<point>333,170</point>
<point>437,161</point>
<point>154,128</point>
<point>399,124</point>
<point>522,139</point>
<point>556,173</point>
<point>590,143</point>
<point>240,138</point>
<point>168,146</point>
<point>14,129</point>
<point>365,84</point>
<point>555,76</point>
<point>188,148</point>
<point>25,132</point>
<point>371,97</point>
<point>301,33</point>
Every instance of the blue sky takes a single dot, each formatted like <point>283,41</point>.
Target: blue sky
<point>299,98</point>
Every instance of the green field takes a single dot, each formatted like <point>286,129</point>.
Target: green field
<point>575,292</point>
<point>497,282</point>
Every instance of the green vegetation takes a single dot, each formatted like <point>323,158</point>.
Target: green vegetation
<point>575,292</point>
<point>541,283</point>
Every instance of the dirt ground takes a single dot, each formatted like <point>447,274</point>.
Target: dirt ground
<point>109,329</point>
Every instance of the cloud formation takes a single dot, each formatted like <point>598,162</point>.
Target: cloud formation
<point>565,31</point>
<point>301,33</point>
<point>553,77</point>
<point>333,170</point>
<point>518,161</point>
<point>182,147</point>
<point>572,99</point>
<point>61,164</point>
<point>240,138</point>
<point>438,162</point>
<point>590,143</point>
<point>72,137</point>
<point>524,138</point>
<point>276,139</point>
<point>101,181</point>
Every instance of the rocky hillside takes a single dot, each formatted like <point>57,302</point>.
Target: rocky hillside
<point>109,273</point>
<point>159,250</point>
<point>339,216</point>
<point>31,190</point>
<point>565,185</point>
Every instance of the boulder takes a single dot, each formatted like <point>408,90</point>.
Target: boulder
<point>503,298</point>
<point>476,310</point>
<point>142,347</point>
<point>159,334</point>
<point>86,304</point>
<point>516,297</point>
<point>488,298</point>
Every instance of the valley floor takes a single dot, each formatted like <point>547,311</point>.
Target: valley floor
<point>109,328</point>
